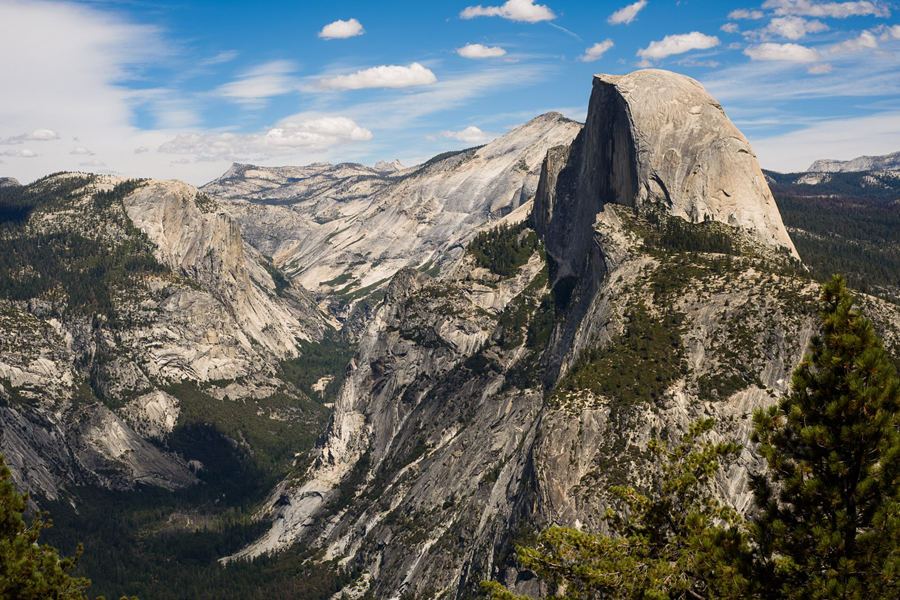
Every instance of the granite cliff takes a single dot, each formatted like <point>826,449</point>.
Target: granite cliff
<point>483,404</point>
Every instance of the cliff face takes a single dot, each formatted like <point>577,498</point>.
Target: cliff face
<point>655,141</point>
<point>122,292</point>
<point>481,405</point>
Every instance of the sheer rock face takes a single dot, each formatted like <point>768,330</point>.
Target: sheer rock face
<point>656,141</point>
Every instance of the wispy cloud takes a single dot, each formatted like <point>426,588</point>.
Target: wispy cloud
<point>782,52</point>
<point>626,14</point>
<point>256,85</point>
<point>298,133</point>
<point>596,51</point>
<point>792,27</point>
<point>221,58</point>
<point>38,135</point>
<point>469,135</point>
<point>834,10</point>
<point>743,13</point>
<point>480,51</point>
<point>677,44</point>
<point>839,138</point>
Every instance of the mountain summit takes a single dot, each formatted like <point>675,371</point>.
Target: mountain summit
<point>657,141</point>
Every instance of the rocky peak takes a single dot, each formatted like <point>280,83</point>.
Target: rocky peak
<point>656,141</point>
<point>9,182</point>
<point>383,166</point>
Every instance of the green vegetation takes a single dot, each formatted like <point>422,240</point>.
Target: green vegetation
<point>30,570</point>
<point>505,248</point>
<point>87,271</point>
<point>674,541</point>
<point>328,358</point>
<point>829,522</point>
<point>674,233</point>
<point>637,366</point>
<point>270,430</point>
<point>166,545</point>
<point>278,277</point>
<point>827,518</point>
<point>857,236</point>
<point>856,185</point>
<point>17,203</point>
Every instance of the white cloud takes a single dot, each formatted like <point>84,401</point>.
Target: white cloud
<point>385,76</point>
<point>469,135</point>
<point>515,10</point>
<point>596,51</point>
<point>626,14</point>
<point>839,139</point>
<point>314,132</point>
<point>782,52</point>
<point>730,28</point>
<point>834,10</point>
<point>794,28</point>
<point>480,51</point>
<point>263,81</point>
<point>743,13</point>
<point>677,44</point>
<point>38,135</point>
<point>820,69</point>
<point>404,111</point>
<point>81,151</point>
<point>889,33</point>
<point>340,29</point>
<point>23,153</point>
<point>865,41</point>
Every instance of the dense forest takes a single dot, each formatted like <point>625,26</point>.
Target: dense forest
<point>844,227</point>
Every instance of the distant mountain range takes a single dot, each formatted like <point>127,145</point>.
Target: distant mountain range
<point>886,162</point>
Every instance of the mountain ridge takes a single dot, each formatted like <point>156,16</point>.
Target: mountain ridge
<point>344,230</point>
<point>884,162</point>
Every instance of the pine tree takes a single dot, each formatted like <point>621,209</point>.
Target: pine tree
<point>829,517</point>
<point>28,570</point>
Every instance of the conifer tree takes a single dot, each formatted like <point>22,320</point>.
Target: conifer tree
<point>829,517</point>
<point>29,570</point>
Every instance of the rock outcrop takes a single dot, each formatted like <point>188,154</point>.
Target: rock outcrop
<point>886,162</point>
<point>656,141</point>
<point>85,389</point>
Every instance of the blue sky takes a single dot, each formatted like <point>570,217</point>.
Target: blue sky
<point>181,88</point>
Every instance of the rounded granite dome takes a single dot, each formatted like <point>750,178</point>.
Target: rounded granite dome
<point>678,149</point>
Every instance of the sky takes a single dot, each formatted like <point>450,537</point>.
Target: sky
<point>181,88</point>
